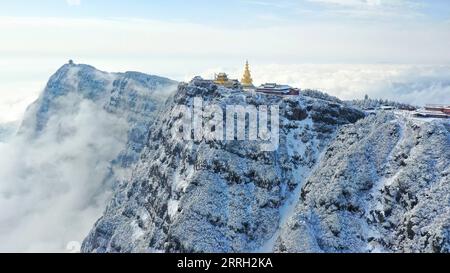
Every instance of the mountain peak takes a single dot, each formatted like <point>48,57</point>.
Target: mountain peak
<point>216,195</point>
<point>84,81</point>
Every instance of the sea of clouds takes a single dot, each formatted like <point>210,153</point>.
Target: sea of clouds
<point>53,186</point>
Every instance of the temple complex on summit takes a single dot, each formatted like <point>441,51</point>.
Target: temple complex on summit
<point>246,84</point>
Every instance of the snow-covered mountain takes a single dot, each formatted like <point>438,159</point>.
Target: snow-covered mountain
<point>78,140</point>
<point>382,185</point>
<point>132,96</point>
<point>217,196</point>
<point>339,182</point>
<point>105,146</point>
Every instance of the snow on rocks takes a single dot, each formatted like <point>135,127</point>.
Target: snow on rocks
<point>217,196</point>
<point>382,185</point>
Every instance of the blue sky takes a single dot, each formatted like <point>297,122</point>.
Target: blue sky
<point>232,12</point>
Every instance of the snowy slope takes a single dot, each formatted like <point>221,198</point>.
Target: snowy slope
<point>382,186</point>
<point>216,196</point>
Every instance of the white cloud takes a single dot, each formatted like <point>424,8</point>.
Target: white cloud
<point>273,4</point>
<point>153,39</point>
<point>369,3</point>
<point>52,188</point>
<point>15,98</point>
<point>372,9</point>
<point>351,3</point>
<point>7,131</point>
<point>73,2</point>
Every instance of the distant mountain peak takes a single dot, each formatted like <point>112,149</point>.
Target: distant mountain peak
<point>87,82</point>
<point>76,143</point>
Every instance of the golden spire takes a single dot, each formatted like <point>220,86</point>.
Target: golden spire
<point>247,80</point>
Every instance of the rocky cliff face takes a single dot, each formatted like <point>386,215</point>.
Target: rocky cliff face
<point>382,185</point>
<point>75,144</point>
<point>217,196</point>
